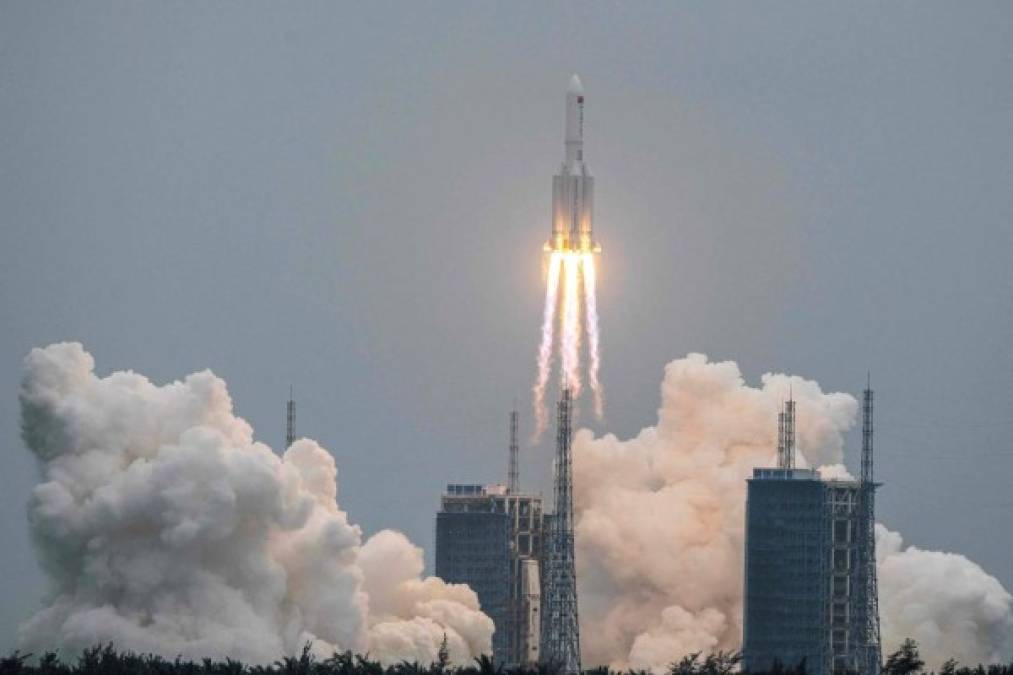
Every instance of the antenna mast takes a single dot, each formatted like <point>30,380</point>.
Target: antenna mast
<point>873,647</point>
<point>513,474</point>
<point>867,468</point>
<point>560,628</point>
<point>782,460</point>
<point>786,434</point>
<point>789,434</point>
<point>290,421</point>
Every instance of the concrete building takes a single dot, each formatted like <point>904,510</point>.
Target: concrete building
<point>804,579</point>
<point>472,547</point>
<point>810,563</point>
<point>491,539</point>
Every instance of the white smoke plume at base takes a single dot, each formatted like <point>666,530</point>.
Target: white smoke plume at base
<point>165,528</point>
<point>948,603</point>
<point>660,520</point>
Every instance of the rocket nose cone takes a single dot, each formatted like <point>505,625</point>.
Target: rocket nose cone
<point>575,86</point>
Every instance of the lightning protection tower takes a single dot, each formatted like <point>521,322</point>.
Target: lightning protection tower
<point>290,421</point>
<point>513,474</point>
<point>810,570</point>
<point>867,495</point>
<point>786,436</point>
<point>560,628</point>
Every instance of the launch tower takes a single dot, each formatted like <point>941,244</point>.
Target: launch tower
<point>513,474</point>
<point>560,629</point>
<point>870,648</point>
<point>810,564</point>
<point>290,421</point>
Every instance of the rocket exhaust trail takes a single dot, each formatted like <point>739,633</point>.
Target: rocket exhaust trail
<point>591,310</point>
<point>571,325</point>
<point>545,350</point>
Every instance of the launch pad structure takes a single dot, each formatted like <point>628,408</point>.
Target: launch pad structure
<point>289,420</point>
<point>871,656</point>
<point>810,563</point>
<point>560,626</point>
<point>520,561</point>
<point>491,537</point>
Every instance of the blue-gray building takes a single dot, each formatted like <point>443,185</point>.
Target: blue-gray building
<point>806,589</point>
<point>491,539</point>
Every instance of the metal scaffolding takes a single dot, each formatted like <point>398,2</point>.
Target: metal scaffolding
<point>789,433</point>
<point>290,421</point>
<point>872,649</point>
<point>786,436</point>
<point>810,561</point>
<point>560,628</point>
<point>782,461</point>
<point>513,473</point>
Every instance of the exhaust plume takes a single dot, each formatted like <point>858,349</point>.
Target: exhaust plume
<point>591,303</point>
<point>164,527</point>
<point>572,272</point>
<point>571,324</point>
<point>547,343</point>
<point>660,528</point>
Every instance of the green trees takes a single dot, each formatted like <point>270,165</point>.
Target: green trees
<point>105,660</point>
<point>907,661</point>
<point>721,663</point>
<point>904,661</point>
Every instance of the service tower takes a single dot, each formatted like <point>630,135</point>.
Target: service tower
<point>560,629</point>
<point>810,570</point>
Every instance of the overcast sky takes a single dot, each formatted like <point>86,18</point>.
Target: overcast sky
<point>351,199</point>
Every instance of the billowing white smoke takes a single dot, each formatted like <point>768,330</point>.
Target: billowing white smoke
<point>948,603</point>
<point>165,528</point>
<point>409,615</point>
<point>660,521</point>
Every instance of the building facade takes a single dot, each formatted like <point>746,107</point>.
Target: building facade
<point>805,583</point>
<point>491,539</point>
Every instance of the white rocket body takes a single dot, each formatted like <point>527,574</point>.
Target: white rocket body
<point>573,186</point>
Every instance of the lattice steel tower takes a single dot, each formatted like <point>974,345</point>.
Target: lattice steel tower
<point>560,628</point>
<point>786,436</point>
<point>873,655</point>
<point>290,421</point>
<point>513,473</point>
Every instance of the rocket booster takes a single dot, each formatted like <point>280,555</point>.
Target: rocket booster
<point>573,186</point>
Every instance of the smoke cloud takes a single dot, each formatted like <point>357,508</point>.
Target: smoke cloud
<point>164,527</point>
<point>660,528</point>
<point>948,603</point>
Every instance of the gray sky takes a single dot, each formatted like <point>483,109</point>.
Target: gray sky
<point>352,199</point>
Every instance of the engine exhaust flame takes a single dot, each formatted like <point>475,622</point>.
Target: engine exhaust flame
<point>545,350</point>
<point>591,312</point>
<point>571,325</point>
<point>571,282</point>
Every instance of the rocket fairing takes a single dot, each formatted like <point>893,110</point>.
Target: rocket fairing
<point>573,186</point>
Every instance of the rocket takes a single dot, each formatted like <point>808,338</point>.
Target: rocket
<point>573,186</point>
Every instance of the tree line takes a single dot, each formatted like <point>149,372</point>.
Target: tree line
<point>106,660</point>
